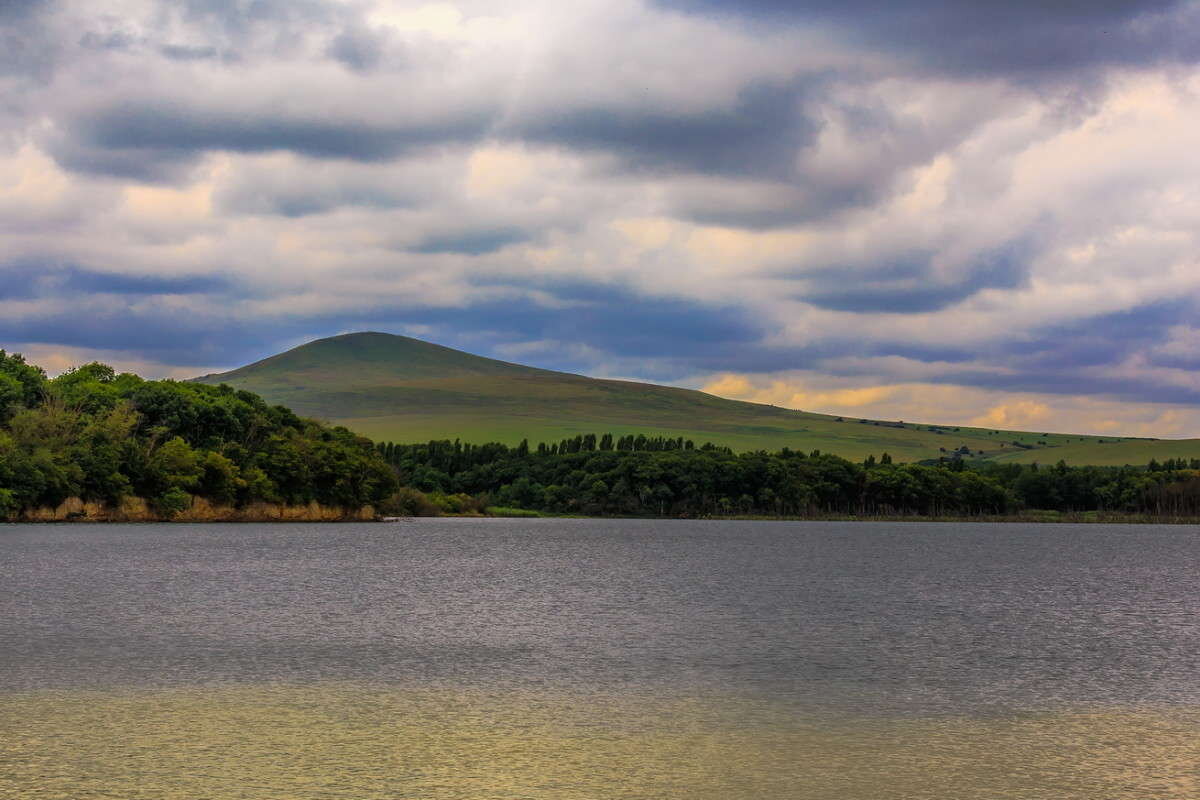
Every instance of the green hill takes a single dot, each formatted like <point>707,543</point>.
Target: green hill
<point>405,390</point>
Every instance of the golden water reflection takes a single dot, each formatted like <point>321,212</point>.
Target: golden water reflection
<point>364,743</point>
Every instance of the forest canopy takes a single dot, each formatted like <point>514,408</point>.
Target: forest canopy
<point>101,436</point>
<point>662,476</point>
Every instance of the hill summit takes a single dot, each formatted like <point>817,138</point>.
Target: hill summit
<point>397,388</point>
<point>372,356</point>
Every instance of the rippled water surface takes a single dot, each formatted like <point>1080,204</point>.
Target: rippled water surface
<point>595,659</point>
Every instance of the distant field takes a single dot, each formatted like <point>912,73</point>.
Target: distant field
<point>393,388</point>
<point>1111,452</point>
<point>807,432</point>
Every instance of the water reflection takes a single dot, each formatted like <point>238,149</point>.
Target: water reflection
<point>362,742</point>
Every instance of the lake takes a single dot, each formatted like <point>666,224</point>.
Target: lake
<point>493,658</point>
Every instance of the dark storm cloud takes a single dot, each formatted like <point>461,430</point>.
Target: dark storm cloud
<point>1076,358</point>
<point>612,320</point>
<point>1075,383</point>
<point>164,128</point>
<point>153,141</point>
<point>1027,36</point>
<point>1099,340</point>
<point>132,313</point>
<point>109,40</point>
<point>170,337</point>
<point>945,353</point>
<point>1189,362</point>
<point>236,19</point>
<point>653,338</point>
<point>619,321</point>
<point>27,47</point>
<point>760,135</point>
<point>472,242</point>
<point>149,166</point>
<point>29,279</point>
<point>19,9</point>
<point>909,285</point>
<point>257,196</point>
<point>880,297</point>
<point>179,52</point>
<point>799,201</point>
<point>762,218</point>
<point>358,49</point>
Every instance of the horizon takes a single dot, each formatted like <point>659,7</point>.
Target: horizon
<point>972,214</point>
<point>916,422</point>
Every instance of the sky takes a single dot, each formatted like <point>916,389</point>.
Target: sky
<point>927,210</point>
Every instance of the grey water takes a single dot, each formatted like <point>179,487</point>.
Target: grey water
<point>927,618</point>
<point>812,621</point>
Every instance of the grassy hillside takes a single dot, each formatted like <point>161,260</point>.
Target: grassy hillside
<point>406,390</point>
<point>1106,451</point>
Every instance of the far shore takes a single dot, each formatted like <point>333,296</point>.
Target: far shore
<point>136,510</point>
<point>1046,517</point>
<point>1050,518</point>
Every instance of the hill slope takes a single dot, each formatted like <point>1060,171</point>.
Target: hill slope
<point>405,390</point>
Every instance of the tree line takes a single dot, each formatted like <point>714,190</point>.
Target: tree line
<point>101,436</point>
<point>685,480</point>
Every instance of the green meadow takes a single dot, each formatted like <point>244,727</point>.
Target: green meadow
<point>394,388</point>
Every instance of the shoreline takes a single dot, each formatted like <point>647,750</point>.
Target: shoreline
<point>1011,520</point>
<point>1040,518</point>
<point>138,511</point>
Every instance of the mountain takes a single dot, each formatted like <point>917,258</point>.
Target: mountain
<point>401,389</point>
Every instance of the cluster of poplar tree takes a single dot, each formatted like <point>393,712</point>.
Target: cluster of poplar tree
<point>681,479</point>
<point>94,434</point>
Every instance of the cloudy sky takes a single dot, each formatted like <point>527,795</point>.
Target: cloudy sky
<point>920,209</point>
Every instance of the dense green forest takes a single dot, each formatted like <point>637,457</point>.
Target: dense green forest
<point>94,434</point>
<point>673,477</point>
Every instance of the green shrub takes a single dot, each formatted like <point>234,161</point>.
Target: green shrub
<point>458,503</point>
<point>172,502</point>
<point>408,502</point>
<point>503,511</point>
